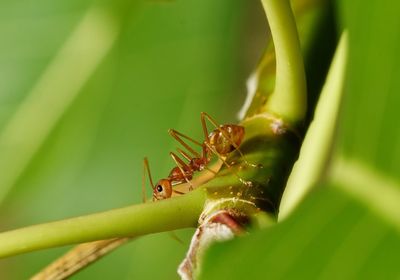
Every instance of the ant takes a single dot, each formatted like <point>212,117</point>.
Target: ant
<point>223,140</point>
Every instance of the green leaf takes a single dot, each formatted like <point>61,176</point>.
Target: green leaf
<point>369,130</point>
<point>330,236</point>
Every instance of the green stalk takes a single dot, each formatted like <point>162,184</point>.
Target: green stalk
<point>289,99</point>
<point>133,221</point>
<point>272,140</point>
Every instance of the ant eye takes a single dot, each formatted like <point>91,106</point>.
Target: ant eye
<point>159,188</point>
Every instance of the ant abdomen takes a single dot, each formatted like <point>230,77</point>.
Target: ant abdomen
<point>224,138</point>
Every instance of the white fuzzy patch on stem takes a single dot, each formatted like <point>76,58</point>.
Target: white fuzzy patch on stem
<point>252,84</point>
<point>206,234</point>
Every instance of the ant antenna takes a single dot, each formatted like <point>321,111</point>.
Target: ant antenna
<point>146,169</point>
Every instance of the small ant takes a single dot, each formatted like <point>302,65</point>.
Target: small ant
<point>220,142</point>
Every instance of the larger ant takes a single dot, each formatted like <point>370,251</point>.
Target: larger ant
<point>223,140</point>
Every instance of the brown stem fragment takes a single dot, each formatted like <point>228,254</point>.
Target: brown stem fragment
<point>78,258</point>
<point>220,226</point>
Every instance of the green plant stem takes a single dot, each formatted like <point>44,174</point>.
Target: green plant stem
<point>273,154</point>
<point>289,99</point>
<point>133,221</point>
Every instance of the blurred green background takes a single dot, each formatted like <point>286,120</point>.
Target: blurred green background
<point>88,88</point>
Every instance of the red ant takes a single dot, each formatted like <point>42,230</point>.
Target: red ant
<point>221,142</point>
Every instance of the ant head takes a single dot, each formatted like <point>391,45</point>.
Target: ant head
<point>162,190</point>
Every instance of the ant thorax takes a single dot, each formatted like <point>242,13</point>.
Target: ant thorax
<point>198,163</point>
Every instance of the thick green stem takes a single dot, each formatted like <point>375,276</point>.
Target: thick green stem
<point>289,99</point>
<point>175,213</point>
<point>270,150</point>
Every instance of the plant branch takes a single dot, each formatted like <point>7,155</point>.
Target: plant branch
<point>137,220</point>
<point>289,99</point>
<point>265,143</point>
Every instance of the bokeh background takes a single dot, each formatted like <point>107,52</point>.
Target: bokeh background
<point>88,88</point>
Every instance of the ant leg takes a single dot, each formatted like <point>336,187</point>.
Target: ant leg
<point>184,154</point>
<point>178,192</point>
<point>244,182</point>
<point>204,117</point>
<point>188,158</point>
<point>178,137</point>
<point>179,163</point>
<point>210,170</point>
<point>146,169</point>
